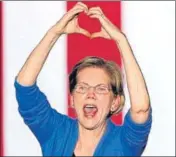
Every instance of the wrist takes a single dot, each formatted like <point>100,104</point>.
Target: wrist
<point>123,45</point>
<point>121,38</point>
<point>54,31</point>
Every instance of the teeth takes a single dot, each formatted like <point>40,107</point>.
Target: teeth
<point>90,106</point>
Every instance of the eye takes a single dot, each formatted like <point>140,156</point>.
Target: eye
<point>102,89</point>
<point>81,87</point>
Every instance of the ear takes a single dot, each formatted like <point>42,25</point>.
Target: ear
<point>71,101</point>
<point>115,103</point>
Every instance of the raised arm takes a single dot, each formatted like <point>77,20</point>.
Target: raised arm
<point>33,104</point>
<point>139,96</point>
<point>33,65</point>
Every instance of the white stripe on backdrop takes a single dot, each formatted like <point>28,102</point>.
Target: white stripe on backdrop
<point>150,27</point>
<point>25,24</point>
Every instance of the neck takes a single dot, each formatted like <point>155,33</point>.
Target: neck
<point>90,137</point>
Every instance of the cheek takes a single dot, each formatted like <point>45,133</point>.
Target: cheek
<point>105,103</point>
<point>78,100</point>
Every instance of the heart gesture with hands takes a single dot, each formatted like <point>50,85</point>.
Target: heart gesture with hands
<point>108,29</point>
<point>69,23</point>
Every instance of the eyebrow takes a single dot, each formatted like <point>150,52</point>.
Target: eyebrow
<point>89,85</point>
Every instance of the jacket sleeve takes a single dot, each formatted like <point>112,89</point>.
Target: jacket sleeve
<point>36,111</point>
<point>135,136</point>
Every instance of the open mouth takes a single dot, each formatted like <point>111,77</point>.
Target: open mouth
<point>90,110</point>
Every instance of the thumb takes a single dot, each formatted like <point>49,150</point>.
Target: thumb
<point>96,35</point>
<point>83,31</point>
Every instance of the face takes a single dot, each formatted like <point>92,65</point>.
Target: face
<point>93,105</point>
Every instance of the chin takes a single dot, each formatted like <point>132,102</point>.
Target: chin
<point>90,124</point>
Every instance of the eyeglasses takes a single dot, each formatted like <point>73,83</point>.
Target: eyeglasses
<point>99,89</point>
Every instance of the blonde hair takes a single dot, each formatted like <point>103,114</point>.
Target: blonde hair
<point>110,67</point>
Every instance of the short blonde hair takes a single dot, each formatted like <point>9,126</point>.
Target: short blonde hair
<point>110,67</point>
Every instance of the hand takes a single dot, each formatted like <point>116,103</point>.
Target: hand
<point>69,22</point>
<point>108,30</point>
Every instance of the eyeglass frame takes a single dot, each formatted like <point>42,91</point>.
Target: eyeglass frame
<point>94,87</point>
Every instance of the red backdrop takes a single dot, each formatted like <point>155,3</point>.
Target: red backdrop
<point>79,46</point>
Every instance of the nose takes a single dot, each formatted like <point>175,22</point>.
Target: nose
<point>91,93</point>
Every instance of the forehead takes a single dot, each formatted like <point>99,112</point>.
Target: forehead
<point>93,76</point>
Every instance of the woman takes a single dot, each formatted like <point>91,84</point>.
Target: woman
<point>96,93</point>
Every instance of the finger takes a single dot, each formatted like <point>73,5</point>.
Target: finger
<point>70,15</point>
<point>96,35</point>
<point>99,17</point>
<point>73,13</point>
<point>100,35</point>
<point>96,9</point>
<point>82,4</point>
<point>103,19</point>
<point>77,11</point>
<point>78,7</point>
<point>105,24</point>
<point>90,12</point>
<point>83,31</point>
